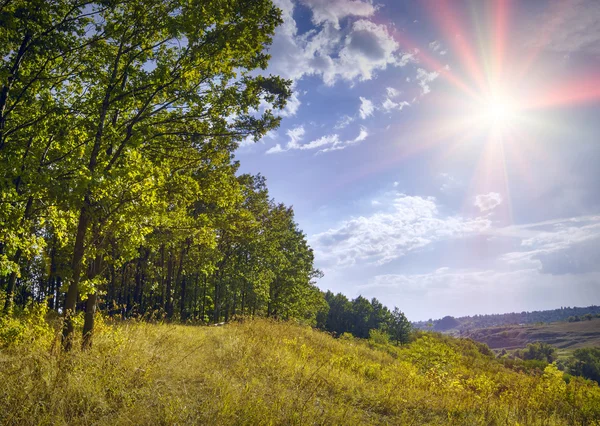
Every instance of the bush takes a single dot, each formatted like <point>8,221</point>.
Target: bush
<point>586,363</point>
<point>26,326</point>
<point>379,337</point>
<point>539,351</point>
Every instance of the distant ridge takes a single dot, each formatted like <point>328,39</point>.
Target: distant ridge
<point>453,325</point>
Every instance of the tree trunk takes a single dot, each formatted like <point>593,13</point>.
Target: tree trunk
<point>90,306</point>
<point>88,325</point>
<point>204,299</point>
<point>182,314</point>
<point>10,289</point>
<point>195,314</point>
<point>169,296</point>
<point>72,292</point>
<point>181,282</point>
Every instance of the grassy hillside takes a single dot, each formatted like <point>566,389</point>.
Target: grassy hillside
<point>263,372</point>
<point>563,335</point>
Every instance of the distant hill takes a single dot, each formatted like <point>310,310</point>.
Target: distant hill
<point>562,335</point>
<point>453,325</point>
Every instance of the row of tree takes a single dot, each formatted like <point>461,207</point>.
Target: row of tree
<point>118,123</point>
<point>359,317</point>
<point>119,188</point>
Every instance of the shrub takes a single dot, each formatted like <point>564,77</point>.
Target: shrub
<point>586,363</point>
<point>379,337</point>
<point>28,325</point>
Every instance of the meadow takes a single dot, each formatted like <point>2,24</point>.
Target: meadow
<point>257,372</point>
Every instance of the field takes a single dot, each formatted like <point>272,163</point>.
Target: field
<point>565,336</point>
<point>266,372</point>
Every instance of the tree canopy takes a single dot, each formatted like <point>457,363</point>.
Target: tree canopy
<point>119,121</point>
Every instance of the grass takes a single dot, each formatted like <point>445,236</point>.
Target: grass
<point>265,372</point>
<point>566,336</point>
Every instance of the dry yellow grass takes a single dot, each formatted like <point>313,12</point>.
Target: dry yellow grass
<point>267,373</point>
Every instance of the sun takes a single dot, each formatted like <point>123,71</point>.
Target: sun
<point>497,111</point>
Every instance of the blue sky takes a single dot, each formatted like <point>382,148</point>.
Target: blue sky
<point>442,156</point>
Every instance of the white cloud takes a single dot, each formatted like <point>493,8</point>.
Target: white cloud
<point>424,78</point>
<point>275,149</point>
<point>343,122</point>
<point>333,10</point>
<point>367,48</point>
<point>449,183</point>
<point>388,105</point>
<point>487,202</point>
<point>339,145</point>
<point>409,223</point>
<point>391,92</point>
<point>292,106</point>
<point>295,135</point>
<point>557,247</point>
<point>322,141</point>
<point>362,135</point>
<point>435,45</point>
<point>366,108</point>
<point>327,143</point>
<point>353,53</point>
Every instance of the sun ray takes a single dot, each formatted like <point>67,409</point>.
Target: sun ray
<point>449,23</point>
<point>579,90</point>
<point>501,12</point>
<point>544,35</point>
<point>432,64</point>
<point>498,113</point>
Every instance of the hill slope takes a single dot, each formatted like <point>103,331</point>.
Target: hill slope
<point>451,324</point>
<point>563,335</point>
<point>262,372</point>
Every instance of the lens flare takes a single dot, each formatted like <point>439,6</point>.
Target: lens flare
<point>499,112</point>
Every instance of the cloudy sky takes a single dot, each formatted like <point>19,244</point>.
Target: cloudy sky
<point>442,155</point>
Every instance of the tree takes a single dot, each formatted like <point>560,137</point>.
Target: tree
<point>119,186</point>
<point>539,351</point>
<point>399,327</point>
<point>361,318</point>
<point>586,363</point>
<point>338,317</point>
<point>40,50</point>
<point>164,74</point>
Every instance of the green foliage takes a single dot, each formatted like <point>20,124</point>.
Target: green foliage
<point>379,337</point>
<point>399,327</point>
<point>361,317</point>
<point>118,127</point>
<point>539,351</point>
<point>586,363</point>
<point>28,326</point>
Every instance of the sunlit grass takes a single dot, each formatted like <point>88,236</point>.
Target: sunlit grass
<point>264,372</point>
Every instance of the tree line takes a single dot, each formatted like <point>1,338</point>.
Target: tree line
<point>119,188</point>
<point>360,316</point>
